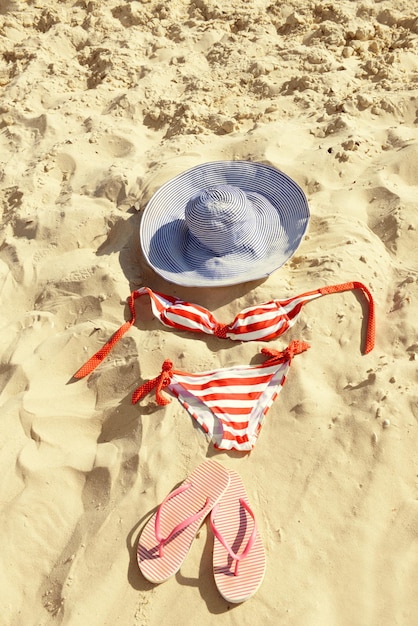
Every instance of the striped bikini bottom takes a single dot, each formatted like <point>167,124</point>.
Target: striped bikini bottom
<point>230,404</point>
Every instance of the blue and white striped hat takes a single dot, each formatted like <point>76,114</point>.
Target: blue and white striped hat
<point>223,223</point>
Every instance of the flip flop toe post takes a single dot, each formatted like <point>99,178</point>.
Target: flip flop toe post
<point>239,560</point>
<point>166,538</point>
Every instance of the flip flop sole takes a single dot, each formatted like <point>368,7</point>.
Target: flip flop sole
<point>206,485</point>
<point>235,525</point>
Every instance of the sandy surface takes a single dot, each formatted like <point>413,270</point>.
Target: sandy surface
<point>101,102</point>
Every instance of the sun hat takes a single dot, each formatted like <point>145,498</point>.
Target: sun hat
<point>223,223</point>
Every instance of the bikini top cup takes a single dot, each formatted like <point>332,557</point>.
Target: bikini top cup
<point>258,323</point>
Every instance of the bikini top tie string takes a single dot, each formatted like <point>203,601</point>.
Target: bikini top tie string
<point>101,354</point>
<point>159,382</point>
<point>371,322</point>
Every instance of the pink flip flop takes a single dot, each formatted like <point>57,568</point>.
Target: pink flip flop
<point>239,560</point>
<point>166,538</point>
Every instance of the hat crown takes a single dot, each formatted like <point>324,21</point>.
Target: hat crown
<point>221,218</point>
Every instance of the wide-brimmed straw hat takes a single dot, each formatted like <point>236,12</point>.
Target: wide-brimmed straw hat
<point>223,223</point>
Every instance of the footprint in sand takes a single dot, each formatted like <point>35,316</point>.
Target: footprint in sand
<point>115,146</point>
<point>39,124</point>
<point>391,206</point>
<point>396,560</point>
<point>66,164</point>
<point>402,168</point>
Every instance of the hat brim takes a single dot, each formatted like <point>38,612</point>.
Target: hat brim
<point>172,252</point>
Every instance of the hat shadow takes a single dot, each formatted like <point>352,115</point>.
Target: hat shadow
<point>123,239</point>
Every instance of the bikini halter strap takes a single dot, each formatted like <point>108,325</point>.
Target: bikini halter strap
<point>371,322</point>
<point>349,286</point>
<point>101,354</point>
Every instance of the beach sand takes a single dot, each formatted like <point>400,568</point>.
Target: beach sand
<point>101,103</point>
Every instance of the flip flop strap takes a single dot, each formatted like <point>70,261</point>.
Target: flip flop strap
<point>190,520</point>
<point>237,557</point>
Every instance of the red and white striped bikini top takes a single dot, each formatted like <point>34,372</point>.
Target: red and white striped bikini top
<point>258,323</point>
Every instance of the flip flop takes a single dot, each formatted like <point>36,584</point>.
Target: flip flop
<point>239,559</point>
<point>166,538</point>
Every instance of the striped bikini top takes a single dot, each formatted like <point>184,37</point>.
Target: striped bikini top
<point>257,323</point>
